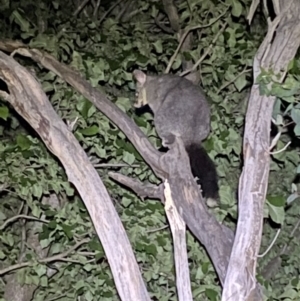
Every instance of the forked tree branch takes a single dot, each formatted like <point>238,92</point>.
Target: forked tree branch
<point>174,165</point>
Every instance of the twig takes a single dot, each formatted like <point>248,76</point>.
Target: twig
<point>21,216</point>
<point>271,245</point>
<point>103,165</point>
<point>58,257</point>
<point>143,190</point>
<point>157,229</point>
<point>291,235</point>
<point>234,79</point>
<point>123,10</point>
<point>206,52</point>
<point>80,7</point>
<point>109,11</point>
<point>183,37</point>
<point>23,233</point>
<point>163,27</point>
<point>281,150</point>
<point>96,8</point>
<point>57,297</point>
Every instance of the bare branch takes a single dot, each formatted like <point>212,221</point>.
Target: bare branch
<point>20,216</point>
<point>80,7</point>
<point>142,190</point>
<point>57,257</point>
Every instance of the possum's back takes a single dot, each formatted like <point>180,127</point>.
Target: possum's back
<point>179,106</point>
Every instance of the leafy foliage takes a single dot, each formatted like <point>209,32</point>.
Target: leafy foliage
<point>105,49</point>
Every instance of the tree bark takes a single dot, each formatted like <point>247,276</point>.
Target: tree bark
<point>29,100</point>
<point>276,51</point>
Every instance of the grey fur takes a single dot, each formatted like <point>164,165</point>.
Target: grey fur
<point>180,107</point>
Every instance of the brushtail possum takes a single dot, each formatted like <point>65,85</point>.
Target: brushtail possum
<point>180,109</point>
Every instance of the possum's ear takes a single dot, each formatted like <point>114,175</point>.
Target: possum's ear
<point>140,76</point>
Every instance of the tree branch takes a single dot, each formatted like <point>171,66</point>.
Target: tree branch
<point>28,99</point>
<point>278,48</point>
<point>174,166</point>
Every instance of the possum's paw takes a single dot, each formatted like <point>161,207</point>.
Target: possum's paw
<point>212,203</point>
<point>168,140</point>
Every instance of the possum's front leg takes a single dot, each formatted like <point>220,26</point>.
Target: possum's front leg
<point>163,130</point>
<point>168,140</point>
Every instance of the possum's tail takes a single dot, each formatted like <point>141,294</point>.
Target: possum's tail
<point>204,169</point>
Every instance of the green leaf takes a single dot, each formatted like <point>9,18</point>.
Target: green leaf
<point>4,112</point>
<point>24,24</point>
<point>290,293</point>
<point>211,294</point>
<point>205,267</point>
<point>40,270</point>
<point>47,87</point>
<point>151,249</point>
<point>84,110</point>
<point>52,224</point>
<point>113,64</point>
<point>88,267</point>
<point>241,82</point>
<point>128,157</point>
<point>123,103</point>
<point>158,46</point>
<point>68,188</point>
<point>100,151</point>
<point>90,131</point>
<point>44,281</point>
<point>2,255</point>
<point>95,245</point>
<point>295,114</point>
<point>56,248</point>
<point>45,242</point>
<point>126,202</point>
<point>36,211</point>
<point>37,190</point>
<point>297,129</point>
<point>67,230</point>
<point>141,60</point>
<point>276,213</point>
<point>23,142</point>
<point>278,201</point>
<point>88,296</point>
<point>236,8</point>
